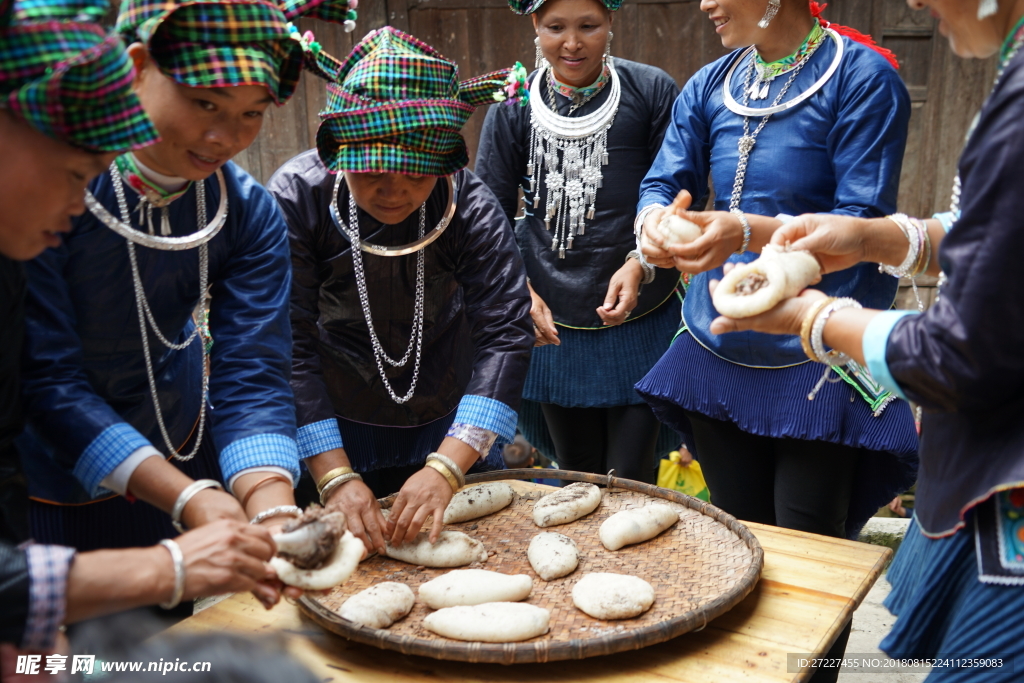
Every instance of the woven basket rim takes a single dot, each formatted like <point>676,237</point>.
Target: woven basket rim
<point>539,651</point>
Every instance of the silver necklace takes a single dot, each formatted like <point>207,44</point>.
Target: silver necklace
<point>568,153</point>
<point>146,318</point>
<point>778,106</point>
<point>577,101</point>
<point>379,355</point>
<point>748,139</point>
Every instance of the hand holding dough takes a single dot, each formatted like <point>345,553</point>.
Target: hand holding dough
<point>492,622</point>
<point>675,230</point>
<point>316,551</point>
<point>474,587</point>
<point>453,549</point>
<point>342,562</point>
<point>612,596</point>
<point>553,555</point>
<point>379,606</point>
<point>566,505</point>
<point>758,286</point>
<point>478,501</point>
<point>636,525</point>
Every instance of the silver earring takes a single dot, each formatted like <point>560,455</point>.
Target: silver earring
<point>608,46</point>
<point>769,14</point>
<point>539,62</point>
<point>986,8</point>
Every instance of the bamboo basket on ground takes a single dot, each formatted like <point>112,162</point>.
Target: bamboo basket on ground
<point>700,568</point>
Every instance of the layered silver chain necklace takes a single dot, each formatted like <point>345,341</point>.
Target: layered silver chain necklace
<point>147,321</point>
<point>567,154</point>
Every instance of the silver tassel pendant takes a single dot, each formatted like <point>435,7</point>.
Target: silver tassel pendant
<point>165,221</point>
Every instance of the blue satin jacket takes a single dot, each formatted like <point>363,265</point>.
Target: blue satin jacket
<point>838,152</point>
<point>87,397</point>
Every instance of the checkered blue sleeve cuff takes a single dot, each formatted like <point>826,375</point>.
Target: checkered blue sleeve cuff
<point>48,567</point>
<point>874,343</point>
<point>488,413</point>
<point>105,453</point>
<point>260,450</point>
<point>319,437</point>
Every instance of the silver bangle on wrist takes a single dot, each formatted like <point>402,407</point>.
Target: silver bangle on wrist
<point>746,230</point>
<point>646,267</point>
<point>914,237</point>
<point>833,358</point>
<point>186,495</point>
<point>450,464</point>
<point>335,483</point>
<point>178,558</point>
<point>275,511</point>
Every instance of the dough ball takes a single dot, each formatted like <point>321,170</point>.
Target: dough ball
<point>478,501</point>
<point>474,587</point>
<point>566,505</point>
<point>553,555</point>
<point>637,525</point>
<point>676,230</point>
<point>379,606</point>
<point>492,622</point>
<point>339,567</point>
<point>612,596</point>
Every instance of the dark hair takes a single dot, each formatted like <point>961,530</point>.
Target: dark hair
<point>518,453</point>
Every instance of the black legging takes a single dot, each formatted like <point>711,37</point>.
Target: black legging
<point>596,440</point>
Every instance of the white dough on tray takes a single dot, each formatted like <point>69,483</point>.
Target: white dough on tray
<point>612,596</point>
<point>553,555</point>
<point>636,525</point>
<point>492,622</point>
<point>478,501</point>
<point>379,606</point>
<point>566,505</point>
<point>334,572</point>
<point>474,587</point>
<point>453,549</point>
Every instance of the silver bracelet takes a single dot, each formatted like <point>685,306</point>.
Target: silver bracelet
<point>178,558</point>
<point>450,464</point>
<point>275,511</point>
<point>646,267</point>
<point>833,357</point>
<point>335,483</point>
<point>746,230</point>
<point>909,231</point>
<point>186,495</point>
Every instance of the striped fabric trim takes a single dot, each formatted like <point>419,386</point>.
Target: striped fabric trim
<point>105,453</point>
<point>48,567</point>
<point>487,413</point>
<point>531,6</point>
<point>319,437</point>
<point>258,450</point>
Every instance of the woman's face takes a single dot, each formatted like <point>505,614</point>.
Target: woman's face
<point>958,21</point>
<point>573,35</point>
<point>389,197</point>
<point>736,21</point>
<point>200,128</point>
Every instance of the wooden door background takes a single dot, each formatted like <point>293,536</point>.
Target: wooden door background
<point>483,35</point>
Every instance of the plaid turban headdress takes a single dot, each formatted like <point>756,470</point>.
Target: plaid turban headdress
<point>397,106</point>
<point>531,6</point>
<point>216,43</point>
<point>62,74</point>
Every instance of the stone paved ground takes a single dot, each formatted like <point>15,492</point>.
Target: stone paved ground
<point>871,622</point>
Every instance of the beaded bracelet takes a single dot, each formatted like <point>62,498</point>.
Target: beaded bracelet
<point>440,468</point>
<point>833,357</point>
<point>275,511</point>
<point>325,492</point>
<point>746,230</point>
<point>450,464</point>
<point>178,558</point>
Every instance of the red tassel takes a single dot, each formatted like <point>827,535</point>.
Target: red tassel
<point>853,34</point>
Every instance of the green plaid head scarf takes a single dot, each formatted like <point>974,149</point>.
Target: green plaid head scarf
<point>531,6</point>
<point>398,107</point>
<point>216,43</point>
<point>62,74</point>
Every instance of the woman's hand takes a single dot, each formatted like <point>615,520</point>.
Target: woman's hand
<point>227,556</point>
<point>425,494</point>
<point>543,321</point>
<point>623,289</point>
<point>838,242</point>
<point>652,242</point>
<point>362,512</point>
<point>785,318</point>
<point>721,236</point>
<point>211,505</point>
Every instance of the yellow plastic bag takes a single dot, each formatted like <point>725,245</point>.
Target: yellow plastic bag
<point>685,478</point>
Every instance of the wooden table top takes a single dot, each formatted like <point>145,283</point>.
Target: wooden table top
<point>809,588</point>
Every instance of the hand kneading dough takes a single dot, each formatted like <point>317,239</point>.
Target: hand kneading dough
<point>637,525</point>
<point>777,275</point>
<point>335,571</point>
<point>478,501</point>
<point>612,596</point>
<point>553,555</point>
<point>676,230</point>
<point>474,587</point>
<point>379,606</point>
<point>566,505</point>
<point>492,622</point>
<point>453,549</point>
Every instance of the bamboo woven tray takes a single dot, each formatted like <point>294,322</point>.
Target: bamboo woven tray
<point>700,568</point>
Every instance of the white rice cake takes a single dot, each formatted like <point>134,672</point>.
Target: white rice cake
<point>379,606</point>
<point>478,501</point>
<point>637,525</point>
<point>566,505</point>
<point>553,555</point>
<point>453,549</point>
<point>612,596</point>
<point>492,622</point>
<point>474,587</point>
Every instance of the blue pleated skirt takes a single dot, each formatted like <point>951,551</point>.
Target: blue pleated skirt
<point>944,610</point>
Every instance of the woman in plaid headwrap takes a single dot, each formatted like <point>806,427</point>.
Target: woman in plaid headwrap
<point>170,221</point>
<point>448,291</point>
